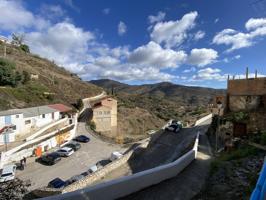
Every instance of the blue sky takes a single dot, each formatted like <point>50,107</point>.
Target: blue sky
<point>189,42</point>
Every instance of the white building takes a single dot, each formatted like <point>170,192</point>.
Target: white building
<point>18,122</point>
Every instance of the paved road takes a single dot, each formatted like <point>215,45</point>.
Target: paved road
<point>77,163</point>
<point>165,148</point>
<point>185,185</point>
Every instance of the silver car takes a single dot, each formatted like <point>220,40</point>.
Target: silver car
<point>65,151</point>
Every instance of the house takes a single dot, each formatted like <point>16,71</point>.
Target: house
<point>19,122</point>
<point>246,98</point>
<point>105,115</point>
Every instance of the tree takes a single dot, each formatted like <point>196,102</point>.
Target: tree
<point>25,48</point>
<point>26,77</point>
<point>80,104</point>
<point>8,73</point>
<point>17,39</point>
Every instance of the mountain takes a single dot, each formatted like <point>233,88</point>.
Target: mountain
<point>49,83</point>
<point>164,100</point>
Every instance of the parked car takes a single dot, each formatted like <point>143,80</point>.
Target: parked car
<point>173,128</point>
<point>75,178</point>
<point>8,173</point>
<point>93,168</point>
<point>179,123</point>
<point>73,145</point>
<point>65,151</point>
<point>102,163</point>
<point>115,155</point>
<point>50,158</point>
<point>56,183</point>
<point>82,138</point>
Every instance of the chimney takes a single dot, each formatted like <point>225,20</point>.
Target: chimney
<point>247,73</point>
<point>256,74</point>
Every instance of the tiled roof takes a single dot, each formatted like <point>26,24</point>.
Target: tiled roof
<point>60,107</point>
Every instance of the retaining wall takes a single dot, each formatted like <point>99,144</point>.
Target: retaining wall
<point>133,183</point>
<point>203,119</point>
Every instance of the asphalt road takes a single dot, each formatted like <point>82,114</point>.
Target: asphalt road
<point>80,161</point>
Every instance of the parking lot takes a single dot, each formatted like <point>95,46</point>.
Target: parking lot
<point>79,162</point>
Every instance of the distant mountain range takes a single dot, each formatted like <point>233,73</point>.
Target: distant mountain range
<point>162,101</point>
<point>187,95</point>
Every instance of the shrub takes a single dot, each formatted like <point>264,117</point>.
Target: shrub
<point>92,125</point>
<point>80,104</point>
<point>26,77</point>
<point>25,48</point>
<point>8,75</point>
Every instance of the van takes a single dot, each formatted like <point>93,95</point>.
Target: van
<point>8,173</point>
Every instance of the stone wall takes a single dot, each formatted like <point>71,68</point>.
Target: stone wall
<point>244,103</point>
<point>254,86</point>
<point>257,121</point>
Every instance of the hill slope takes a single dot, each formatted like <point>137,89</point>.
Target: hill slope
<point>54,84</point>
<point>165,100</point>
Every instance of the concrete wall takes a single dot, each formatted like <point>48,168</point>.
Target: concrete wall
<point>15,120</point>
<point>203,119</point>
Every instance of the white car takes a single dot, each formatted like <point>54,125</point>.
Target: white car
<point>65,151</point>
<point>115,155</point>
<point>93,168</point>
<point>8,173</point>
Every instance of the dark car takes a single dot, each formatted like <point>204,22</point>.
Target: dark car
<point>50,159</point>
<point>102,163</point>
<point>56,183</point>
<point>73,145</point>
<point>173,128</point>
<point>82,138</point>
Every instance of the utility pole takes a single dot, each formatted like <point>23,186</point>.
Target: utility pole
<point>4,50</point>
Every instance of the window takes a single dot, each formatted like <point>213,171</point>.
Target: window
<point>27,121</point>
<point>14,127</point>
<point>100,112</point>
<point>43,115</point>
<point>17,116</point>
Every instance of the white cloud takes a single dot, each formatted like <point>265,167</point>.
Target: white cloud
<point>237,57</point>
<point>209,74</point>
<point>237,40</point>
<point>52,11</point>
<point>106,11</point>
<point>153,54</point>
<point>122,28</point>
<point>192,69</point>
<point>13,16</point>
<point>173,33</point>
<point>216,20</point>
<point>252,23</point>
<point>199,35</point>
<point>202,57</point>
<point>63,42</point>
<point>157,18</point>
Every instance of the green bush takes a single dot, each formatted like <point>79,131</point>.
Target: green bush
<point>8,74</point>
<point>239,153</point>
<point>25,48</point>
<point>92,125</point>
<point>80,104</point>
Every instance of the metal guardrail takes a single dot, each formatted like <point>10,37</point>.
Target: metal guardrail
<point>129,184</point>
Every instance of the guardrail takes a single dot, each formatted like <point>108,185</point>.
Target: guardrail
<point>126,185</point>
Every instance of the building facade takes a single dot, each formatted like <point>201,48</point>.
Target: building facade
<point>105,115</point>
<point>20,122</point>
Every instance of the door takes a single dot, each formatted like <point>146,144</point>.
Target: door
<point>53,116</point>
<point>7,120</point>
<point>240,129</point>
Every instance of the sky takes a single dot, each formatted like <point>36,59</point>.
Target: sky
<point>188,42</point>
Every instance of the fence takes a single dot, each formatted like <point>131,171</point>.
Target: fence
<point>133,183</point>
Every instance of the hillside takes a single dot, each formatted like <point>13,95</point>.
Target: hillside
<point>53,84</point>
<point>164,100</point>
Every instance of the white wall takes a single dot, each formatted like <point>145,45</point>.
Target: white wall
<point>15,120</point>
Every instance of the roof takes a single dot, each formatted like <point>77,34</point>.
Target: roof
<point>60,107</point>
<point>10,112</point>
<point>106,102</point>
<point>36,111</point>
